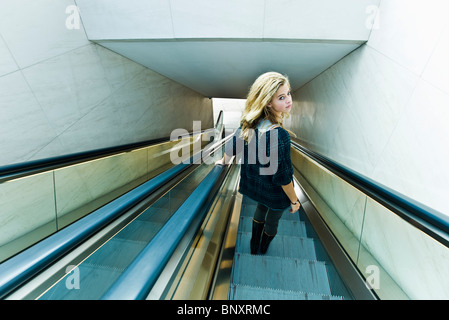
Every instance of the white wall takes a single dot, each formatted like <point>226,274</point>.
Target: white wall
<point>232,19</point>
<point>60,93</point>
<point>232,112</point>
<point>218,48</point>
<point>383,111</point>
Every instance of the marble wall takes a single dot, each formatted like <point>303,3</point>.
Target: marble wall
<point>383,111</point>
<point>36,206</point>
<point>61,93</point>
<point>232,112</point>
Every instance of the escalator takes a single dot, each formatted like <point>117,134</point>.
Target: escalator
<point>99,247</point>
<point>185,234</point>
<point>94,273</point>
<point>290,269</point>
<point>105,265</point>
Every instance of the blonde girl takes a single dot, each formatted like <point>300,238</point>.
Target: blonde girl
<point>261,132</point>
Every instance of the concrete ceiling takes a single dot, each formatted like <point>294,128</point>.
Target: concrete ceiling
<point>226,68</point>
<point>218,48</point>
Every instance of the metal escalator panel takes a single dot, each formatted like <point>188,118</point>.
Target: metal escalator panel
<point>97,273</point>
<point>289,270</point>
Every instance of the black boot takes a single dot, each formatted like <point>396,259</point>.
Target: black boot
<point>266,239</point>
<point>255,239</point>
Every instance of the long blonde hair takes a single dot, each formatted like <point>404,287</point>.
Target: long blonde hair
<point>259,96</point>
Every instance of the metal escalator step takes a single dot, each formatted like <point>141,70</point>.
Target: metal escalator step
<point>239,292</point>
<point>290,216</point>
<point>281,246</point>
<point>249,209</point>
<point>285,227</point>
<point>280,273</point>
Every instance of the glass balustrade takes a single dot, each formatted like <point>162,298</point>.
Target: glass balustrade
<point>398,260</point>
<point>35,206</point>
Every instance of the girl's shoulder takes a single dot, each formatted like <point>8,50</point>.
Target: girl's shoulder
<point>266,125</point>
<point>283,136</point>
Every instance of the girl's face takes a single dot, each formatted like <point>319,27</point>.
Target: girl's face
<point>282,100</point>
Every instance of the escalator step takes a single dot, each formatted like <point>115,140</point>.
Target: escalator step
<point>249,209</point>
<point>281,246</point>
<point>285,227</point>
<point>280,273</point>
<point>239,292</point>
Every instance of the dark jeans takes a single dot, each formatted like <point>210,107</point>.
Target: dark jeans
<point>269,216</point>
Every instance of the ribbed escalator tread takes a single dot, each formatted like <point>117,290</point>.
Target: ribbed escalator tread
<point>281,246</point>
<point>288,270</point>
<point>285,227</point>
<point>288,274</point>
<point>249,208</point>
<point>242,292</point>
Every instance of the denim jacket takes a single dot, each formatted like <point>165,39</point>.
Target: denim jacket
<point>265,165</point>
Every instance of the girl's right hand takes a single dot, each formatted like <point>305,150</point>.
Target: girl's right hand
<point>294,207</point>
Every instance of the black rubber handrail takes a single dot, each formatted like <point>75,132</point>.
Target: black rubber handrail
<point>428,220</point>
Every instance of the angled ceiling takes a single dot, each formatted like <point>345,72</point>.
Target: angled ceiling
<point>226,69</point>
<point>218,48</point>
